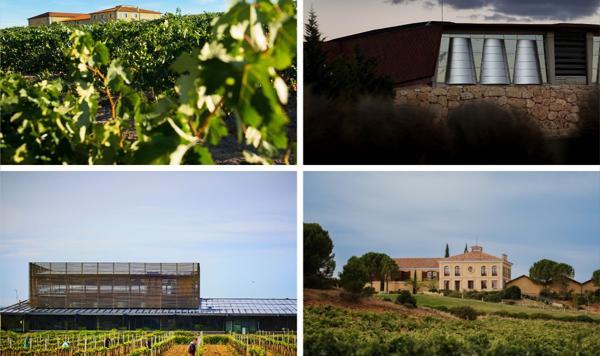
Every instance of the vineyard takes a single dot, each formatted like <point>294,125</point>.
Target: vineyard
<point>117,343</point>
<point>330,330</point>
<point>167,91</point>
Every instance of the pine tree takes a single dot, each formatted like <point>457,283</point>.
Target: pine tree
<point>447,254</point>
<point>315,68</point>
<point>466,249</point>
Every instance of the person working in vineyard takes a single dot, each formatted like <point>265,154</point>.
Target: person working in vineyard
<point>192,348</point>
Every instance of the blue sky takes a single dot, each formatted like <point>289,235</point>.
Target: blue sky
<point>16,13</point>
<point>339,18</point>
<point>240,226</point>
<point>528,216</point>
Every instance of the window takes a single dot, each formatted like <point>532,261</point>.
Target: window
<point>429,275</point>
<point>494,271</point>
<point>125,15</point>
<point>435,275</point>
<point>169,286</point>
<point>446,271</point>
<point>457,285</point>
<point>470,284</point>
<point>470,269</point>
<point>494,284</point>
<point>483,284</point>
<point>457,270</point>
<point>447,285</point>
<point>483,271</point>
<point>135,15</point>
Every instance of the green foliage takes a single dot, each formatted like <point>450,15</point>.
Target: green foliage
<point>233,76</point>
<point>544,271</point>
<point>406,298</point>
<point>512,292</point>
<point>380,266</point>
<point>447,252</point>
<point>347,77</point>
<point>466,313</point>
<point>147,48</point>
<point>596,278</point>
<point>334,331</point>
<point>319,262</point>
<point>354,275</point>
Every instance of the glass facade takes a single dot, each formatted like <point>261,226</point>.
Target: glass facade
<point>477,42</point>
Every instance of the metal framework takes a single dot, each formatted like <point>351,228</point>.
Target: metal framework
<point>114,285</point>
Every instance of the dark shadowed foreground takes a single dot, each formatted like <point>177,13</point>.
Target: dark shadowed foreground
<point>377,131</point>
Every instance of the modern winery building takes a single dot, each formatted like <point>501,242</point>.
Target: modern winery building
<point>548,71</point>
<point>474,53</point>
<point>162,296</point>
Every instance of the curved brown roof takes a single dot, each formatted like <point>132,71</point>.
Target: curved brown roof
<point>408,53</point>
<point>419,262</point>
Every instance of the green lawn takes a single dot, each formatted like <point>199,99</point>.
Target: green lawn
<point>486,307</point>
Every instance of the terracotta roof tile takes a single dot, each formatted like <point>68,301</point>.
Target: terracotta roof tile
<point>424,262</point>
<point>57,14</point>
<point>473,256</point>
<point>78,18</point>
<point>127,9</point>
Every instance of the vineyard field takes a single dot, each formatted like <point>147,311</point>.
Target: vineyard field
<point>331,330</point>
<point>117,343</point>
<point>168,91</point>
<point>434,301</point>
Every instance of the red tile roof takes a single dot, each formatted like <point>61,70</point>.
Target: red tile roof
<point>473,256</point>
<point>78,18</point>
<point>424,262</point>
<point>123,8</point>
<point>57,14</point>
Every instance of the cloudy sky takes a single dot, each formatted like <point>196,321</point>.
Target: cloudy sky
<point>240,227</point>
<point>528,216</point>
<point>344,17</point>
<point>16,13</point>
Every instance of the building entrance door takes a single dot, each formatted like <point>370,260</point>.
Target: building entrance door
<point>457,286</point>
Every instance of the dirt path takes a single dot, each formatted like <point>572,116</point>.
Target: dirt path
<point>177,350</point>
<point>218,350</point>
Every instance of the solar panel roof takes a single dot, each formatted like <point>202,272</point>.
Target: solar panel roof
<point>208,306</point>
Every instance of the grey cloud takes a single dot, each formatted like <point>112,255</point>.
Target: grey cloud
<point>536,9</point>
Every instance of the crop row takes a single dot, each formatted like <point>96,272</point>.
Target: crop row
<point>334,331</point>
<point>146,48</point>
<point>83,342</point>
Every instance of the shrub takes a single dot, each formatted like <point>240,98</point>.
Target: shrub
<point>466,313</point>
<point>406,299</point>
<point>512,292</point>
<point>493,297</point>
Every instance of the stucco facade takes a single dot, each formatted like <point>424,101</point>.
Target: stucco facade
<point>474,270</point>
<point>531,288</point>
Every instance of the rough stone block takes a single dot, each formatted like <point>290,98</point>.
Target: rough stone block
<point>466,96</point>
<point>513,92</point>
<point>494,91</point>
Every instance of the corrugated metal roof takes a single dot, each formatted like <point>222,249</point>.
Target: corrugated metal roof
<point>208,306</point>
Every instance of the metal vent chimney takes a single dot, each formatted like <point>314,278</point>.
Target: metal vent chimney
<point>461,65</point>
<point>527,65</point>
<point>494,65</point>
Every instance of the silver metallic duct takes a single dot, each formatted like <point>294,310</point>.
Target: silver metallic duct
<point>461,66</point>
<point>494,65</point>
<point>527,65</point>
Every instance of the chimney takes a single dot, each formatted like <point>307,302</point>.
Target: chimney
<point>476,248</point>
<point>504,257</point>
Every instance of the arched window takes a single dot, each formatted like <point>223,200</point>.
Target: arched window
<point>494,271</point>
<point>446,271</point>
<point>457,270</point>
<point>483,271</point>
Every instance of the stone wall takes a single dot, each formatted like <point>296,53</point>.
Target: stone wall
<point>554,107</point>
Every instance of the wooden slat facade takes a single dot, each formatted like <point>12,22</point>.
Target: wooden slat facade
<point>114,285</point>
